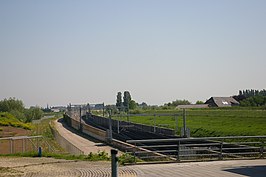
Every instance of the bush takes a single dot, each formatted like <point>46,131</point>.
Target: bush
<point>101,155</point>
<point>34,113</point>
<point>127,159</point>
<point>136,111</point>
<point>7,119</point>
<point>19,115</point>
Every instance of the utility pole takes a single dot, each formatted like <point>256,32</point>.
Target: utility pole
<point>80,119</point>
<point>103,109</point>
<point>118,122</point>
<point>110,125</point>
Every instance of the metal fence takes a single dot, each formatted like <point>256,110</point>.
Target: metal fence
<point>22,144</point>
<point>197,149</point>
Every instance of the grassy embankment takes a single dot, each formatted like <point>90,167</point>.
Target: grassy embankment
<point>7,119</point>
<point>211,122</point>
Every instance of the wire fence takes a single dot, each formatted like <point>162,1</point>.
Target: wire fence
<point>23,144</point>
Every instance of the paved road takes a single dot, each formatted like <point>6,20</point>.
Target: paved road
<point>84,144</point>
<point>237,168</point>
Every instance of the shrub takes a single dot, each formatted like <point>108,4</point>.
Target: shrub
<point>127,159</point>
<point>7,119</point>
<point>101,155</point>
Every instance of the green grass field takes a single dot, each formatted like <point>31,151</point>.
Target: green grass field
<point>211,122</point>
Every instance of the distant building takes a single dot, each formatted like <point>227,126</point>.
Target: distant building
<point>58,109</point>
<point>97,106</point>
<point>222,102</point>
<point>190,106</point>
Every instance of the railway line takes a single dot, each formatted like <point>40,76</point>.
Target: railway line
<point>176,148</point>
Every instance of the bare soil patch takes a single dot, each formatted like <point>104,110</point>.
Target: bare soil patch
<point>8,131</point>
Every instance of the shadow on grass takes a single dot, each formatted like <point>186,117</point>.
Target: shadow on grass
<point>252,171</point>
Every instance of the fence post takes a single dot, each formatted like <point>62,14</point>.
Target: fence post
<point>154,123</point>
<point>110,126</point>
<point>262,150</point>
<point>134,152</point>
<point>23,145</point>
<point>221,151</point>
<point>114,162</point>
<point>11,146</point>
<point>103,109</point>
<point>176,124</point>
<point>118,122</point>
<point>178,152</point>
<point>184,123</point>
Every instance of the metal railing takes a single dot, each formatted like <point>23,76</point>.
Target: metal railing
<point>197,149</point>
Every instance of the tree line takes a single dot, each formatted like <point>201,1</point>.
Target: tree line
<point>251,97</point>
<point>17,109</point>
<point>250,93</point>
<point>126,104</point>
<point>177,102</point>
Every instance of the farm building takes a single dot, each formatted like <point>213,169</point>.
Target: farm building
<point>222,102</point>
<point>192,106</point>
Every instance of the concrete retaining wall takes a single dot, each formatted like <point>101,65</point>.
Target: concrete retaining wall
<point>94,132</point>
<point>64,143</point>
<point>75,124</point>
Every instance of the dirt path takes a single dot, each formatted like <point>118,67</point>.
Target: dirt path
<point>84,144</point>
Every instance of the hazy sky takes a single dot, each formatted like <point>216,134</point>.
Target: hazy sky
<point>58,52</point>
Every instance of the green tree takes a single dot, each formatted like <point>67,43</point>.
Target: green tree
<point>126,100</point>
<point>119,103</point>
<point>11,104</point>
<point>178,102</point>
<point>33,113</point>
<point>199,102</point>
<point>132,104</point>
<point>254,101</point>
